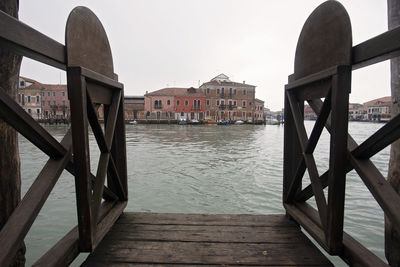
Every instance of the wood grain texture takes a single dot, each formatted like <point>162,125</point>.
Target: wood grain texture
<point>205,239</point>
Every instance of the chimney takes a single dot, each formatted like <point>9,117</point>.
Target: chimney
<point>147,92</point>
<point>244,82</point>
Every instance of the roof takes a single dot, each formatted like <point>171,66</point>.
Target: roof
<point>223,83</point>
<point>174,91</point>
<point>55,87</point>
<point>385,99</point>
<point>221,77</point>
<point>258,100</point>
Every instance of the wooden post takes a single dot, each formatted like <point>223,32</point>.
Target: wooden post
<point>10,176</point>
<point>392,237</point>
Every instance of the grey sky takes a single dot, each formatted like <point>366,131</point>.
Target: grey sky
<point>156,43</point>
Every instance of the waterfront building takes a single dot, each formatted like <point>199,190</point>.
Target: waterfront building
<point>379,109</point>
<point>356,112</point>
<point>55,103</point>
<point>175,103</point>
<point>134,107</point>
<point>259,110</point>
<point>228,100</point>
<point>29,96</point>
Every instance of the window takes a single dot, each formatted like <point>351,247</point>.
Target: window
<point>168,102</point>
<point>22,83</point>
<point>54,103</point>
<point>230,102</point>
<point>217,90</point>
<point>208,102</point>
<point>63,102</point>
<point>148,113</point>
<point>234,91</point>
<point>37,99</point>
<point>42,93</point>
<point>29,99</point>
<point>29,111</point>
<point>249,103</point>
<point>244,92</point>
<point>177,102</point>
<point>207,113</point>
<point>222,90</point>
<point>186,102</point>
<point>244,104</point>
<point>43,103</point>
<point>208,90</point>
<point>182,114</point>
<point>63,93</point>
<point>38,111</point>
<point>217,102</point>
<point>48,103</point>
<point>54,93</point>
<point>234,103</point>
<point>48,93</point>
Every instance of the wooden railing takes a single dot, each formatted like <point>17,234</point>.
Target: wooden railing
<point>91,83</point>
<point>324,61</point>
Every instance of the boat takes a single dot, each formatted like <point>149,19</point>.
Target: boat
<point>223,122</point>
<point>182,122</point>
<point>239,122</point>
<point>133,122</point>
<point>194,122</point>
<point>272,122</point>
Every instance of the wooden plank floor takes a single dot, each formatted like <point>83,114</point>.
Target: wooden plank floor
<point>154,239</point>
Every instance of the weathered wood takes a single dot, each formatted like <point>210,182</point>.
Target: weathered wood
<point>392,234</point>
<point>183,242</point>
<point>15,116</point>
<point>10,175</point>
<point>376,49</point>
<point>118,151</point>
<point>22,218</point>
<point>82,26</point>
<point>341,84</point>
<point>26,41</point>
<point>386,135</point>
<point>77,97</point>
<point>206,219</point>
<point>354,253</point>
<point>67,249</point>
<point>95,124</point>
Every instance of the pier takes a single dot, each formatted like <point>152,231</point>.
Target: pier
<point>322,77</point>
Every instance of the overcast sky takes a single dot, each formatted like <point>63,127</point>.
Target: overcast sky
<point>160,43</point>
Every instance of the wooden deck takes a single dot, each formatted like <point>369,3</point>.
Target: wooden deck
<point>151,239</point>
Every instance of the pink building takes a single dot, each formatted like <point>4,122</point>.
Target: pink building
<point>160,104</point>
<point>55,103</point>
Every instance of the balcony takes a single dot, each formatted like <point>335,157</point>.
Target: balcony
<point>230,107</point>
<point>196,107</point>
<point>222,106</point>
<point>157,106</point>
<point>222,95</point>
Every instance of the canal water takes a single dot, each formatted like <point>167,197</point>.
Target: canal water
<point>203,169</point>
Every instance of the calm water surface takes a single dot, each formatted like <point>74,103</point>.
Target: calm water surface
<point>202,169</point>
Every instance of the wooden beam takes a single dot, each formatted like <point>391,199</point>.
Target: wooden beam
<point>21,121</point>
<point>77,97</point>
<point>26,41</point>
<point>376,49</point>
<point>22,218</point>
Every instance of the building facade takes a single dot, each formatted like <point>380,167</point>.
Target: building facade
<point>175,103</point>
<point>134,107</point>
<point>228,100</point>
<point>30,96</point>
<point>55,103</point>
<point>259,110</point>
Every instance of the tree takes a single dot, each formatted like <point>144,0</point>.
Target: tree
<point>392,237</point>
<point>10,176</point>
